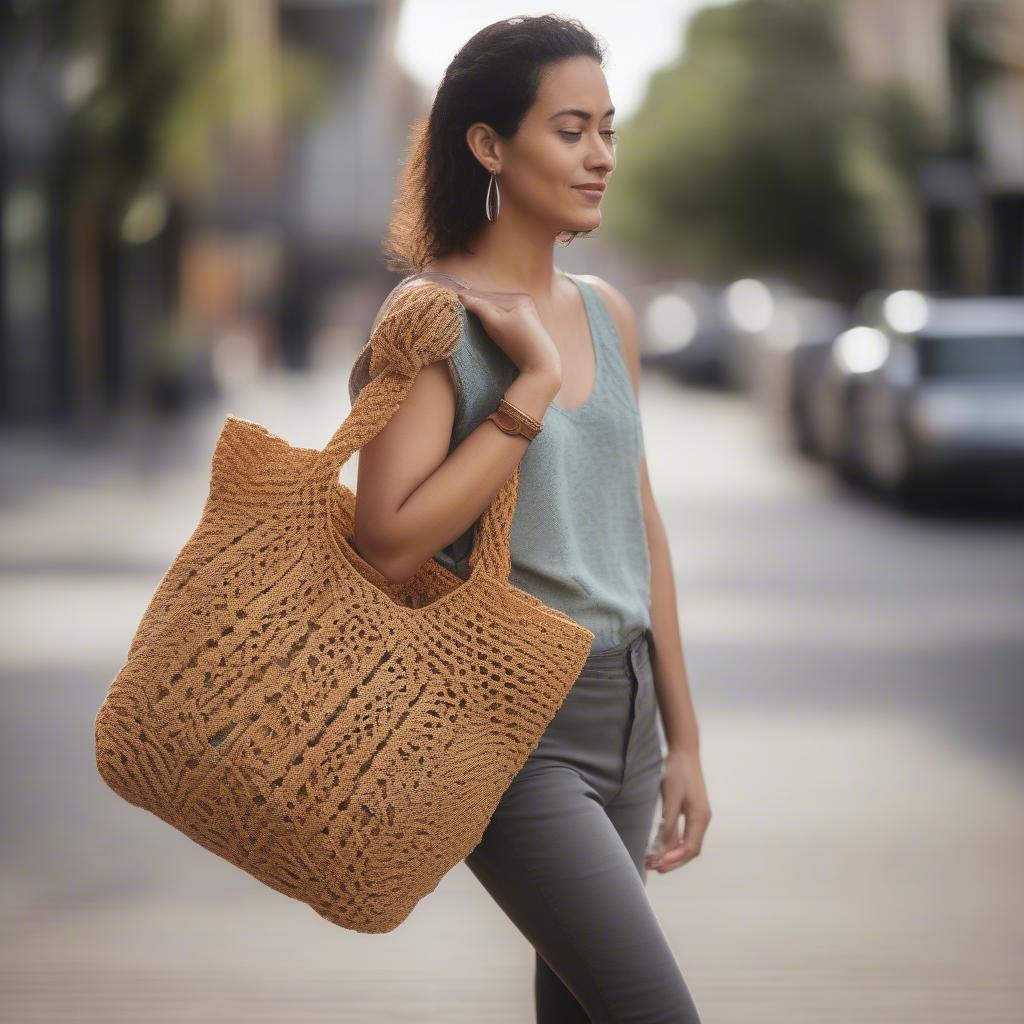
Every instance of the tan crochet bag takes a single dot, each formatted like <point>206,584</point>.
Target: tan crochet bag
<point>343,738</point>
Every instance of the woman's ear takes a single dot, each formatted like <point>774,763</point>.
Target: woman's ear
<point>483,145</point>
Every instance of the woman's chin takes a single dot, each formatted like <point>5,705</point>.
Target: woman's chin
<point>584,223</point>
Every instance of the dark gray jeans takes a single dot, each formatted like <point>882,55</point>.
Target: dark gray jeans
<point>563,855</point>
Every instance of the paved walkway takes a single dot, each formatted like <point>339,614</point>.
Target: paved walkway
<point>858,677</point>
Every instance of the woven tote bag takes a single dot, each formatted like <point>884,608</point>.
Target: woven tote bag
<point>342,737</point>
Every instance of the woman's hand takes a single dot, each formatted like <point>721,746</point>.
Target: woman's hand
<point>511,319</point>
<point>682,793</point>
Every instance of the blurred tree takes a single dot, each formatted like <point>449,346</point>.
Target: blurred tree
<point>172,83</point>
<point>159,95</point>
<point>169,83</point>
<point>738,162</point>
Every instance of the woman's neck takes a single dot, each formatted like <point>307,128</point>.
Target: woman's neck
<point>505,260</point>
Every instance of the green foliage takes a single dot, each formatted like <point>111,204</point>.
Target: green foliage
<point>737,162</point>
<point>166,87</point>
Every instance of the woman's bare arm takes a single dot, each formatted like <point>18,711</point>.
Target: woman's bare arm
<point>412,497</point>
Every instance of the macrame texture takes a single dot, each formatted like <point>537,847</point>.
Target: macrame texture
<point>342,737</point>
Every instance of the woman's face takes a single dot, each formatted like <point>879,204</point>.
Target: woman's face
<point>556,151</point>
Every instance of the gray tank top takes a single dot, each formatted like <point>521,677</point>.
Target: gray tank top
<point>578,540</point>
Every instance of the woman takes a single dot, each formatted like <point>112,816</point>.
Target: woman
<point>513,156</point>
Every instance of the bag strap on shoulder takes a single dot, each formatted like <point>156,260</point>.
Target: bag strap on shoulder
<point>418,326</point>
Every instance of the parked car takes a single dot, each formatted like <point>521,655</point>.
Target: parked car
<point>789,357</point>
<point>927,393</point>
<point>681,329</point>
<point>750,310</point>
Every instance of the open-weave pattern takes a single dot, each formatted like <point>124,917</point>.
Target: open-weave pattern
<point>342,737</point>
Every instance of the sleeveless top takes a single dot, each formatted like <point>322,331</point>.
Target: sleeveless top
<point>578,540</point>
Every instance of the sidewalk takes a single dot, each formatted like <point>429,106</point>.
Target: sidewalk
<point>854,677</point>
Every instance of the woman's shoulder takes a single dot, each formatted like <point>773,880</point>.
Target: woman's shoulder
<point>419,321</point>
<point>618,305</point>
<point>415,290</point>
<point>623,318</point>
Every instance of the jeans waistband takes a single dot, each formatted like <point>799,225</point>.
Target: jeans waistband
<point>620,652</point>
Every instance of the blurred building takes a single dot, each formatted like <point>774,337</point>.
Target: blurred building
<point>102,312</point>
<point>963,60</point>
<point>35,349</point>
<point>340,175</point>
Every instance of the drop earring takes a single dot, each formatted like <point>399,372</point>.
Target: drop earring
<point>493,183</point>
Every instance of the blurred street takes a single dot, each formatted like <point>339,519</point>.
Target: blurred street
<point>857,674</point>
<point>816,213</point>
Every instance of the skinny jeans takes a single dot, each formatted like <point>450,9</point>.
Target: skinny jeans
<point>563,854</point>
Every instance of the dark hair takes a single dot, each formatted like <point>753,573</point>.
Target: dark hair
<point>493,78</point>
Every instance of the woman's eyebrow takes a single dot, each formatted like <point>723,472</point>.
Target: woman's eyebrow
<point>585,114</point>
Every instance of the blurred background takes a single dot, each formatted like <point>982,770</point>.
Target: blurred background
<point>818,214</point>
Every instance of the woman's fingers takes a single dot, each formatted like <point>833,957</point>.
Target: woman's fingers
<point>680,850</point>
<point>668,836</point>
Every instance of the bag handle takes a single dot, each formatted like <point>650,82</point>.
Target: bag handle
<point>420,326</point>
<point>413,277</point>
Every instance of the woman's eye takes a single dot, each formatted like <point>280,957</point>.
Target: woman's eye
<point>611,133</point>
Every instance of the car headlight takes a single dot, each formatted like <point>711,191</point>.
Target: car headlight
<point>671,323</point>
